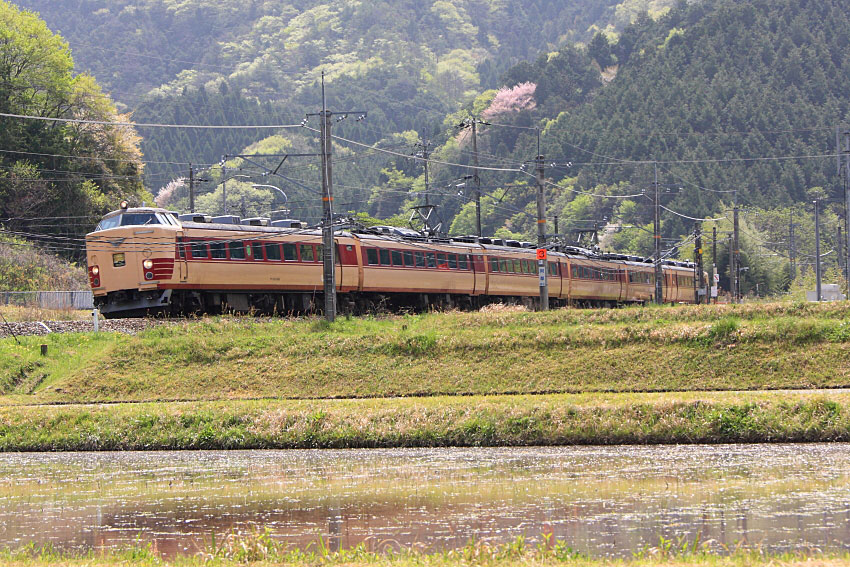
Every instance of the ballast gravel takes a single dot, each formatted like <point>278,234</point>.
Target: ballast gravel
<point>29,328</point>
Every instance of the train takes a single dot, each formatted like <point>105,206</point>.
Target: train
<point>151,261</point>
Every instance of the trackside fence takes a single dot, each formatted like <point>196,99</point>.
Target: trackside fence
<point>48,299</point>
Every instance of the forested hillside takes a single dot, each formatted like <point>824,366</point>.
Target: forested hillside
<point>720,99</point>
<point>207,62</point>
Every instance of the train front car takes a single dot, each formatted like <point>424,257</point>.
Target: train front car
<point>130,259</point>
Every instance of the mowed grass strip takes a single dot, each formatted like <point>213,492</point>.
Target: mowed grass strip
<point>718,417</point>
<point>617,350</point>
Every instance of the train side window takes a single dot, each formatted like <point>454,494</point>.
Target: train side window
<point>574,271</point>
<point>256,250</point>
<point>420,259</point>
<point>237,250</point>
<point>442,263</point>
<point>517,267</point>
<point>307,254</point>
<point>385,256</point>
<point>273,251</point>
<point>181,248</point>
<point>217,250</point>
<point>503,266</point>
<point>290,253</point>
<point>494,264</point>
<point>396,255</point>
<point>553,268</point>
<point>199,249</point>
<point>461,262</point>
<point>432,259</point>
<point>509,266</point>
<point>319,253</point>
<point>453,261</point>
<point>372,256</point>
<point>408,258</point>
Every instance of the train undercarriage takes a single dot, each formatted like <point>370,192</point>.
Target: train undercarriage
<point>175,303</point>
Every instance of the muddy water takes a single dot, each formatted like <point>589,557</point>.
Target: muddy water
<point>606,501</point>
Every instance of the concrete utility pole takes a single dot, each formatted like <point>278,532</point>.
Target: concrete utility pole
<point>840,241</point>
<point>659,290</point>
<point>817,251</point>
<point>736,282</point>
<point>426,148</point>
<point>542,263</point>
<point>328,248</point>
<point>191,189</point>
<point>847,201</point>
<point>792,254</point>
<point>476,177</point>
<point>699,284</point>
<point>714,259</point>
<point>732,267</point>
<point>329,273</point>
<point>224,183</point>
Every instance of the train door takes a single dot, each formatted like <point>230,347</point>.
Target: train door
<point>479,276</point>
<point>621,279</point>
<point>180,257</point>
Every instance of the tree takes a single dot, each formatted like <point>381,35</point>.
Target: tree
<point>600,50</point>
<point>92,166</point>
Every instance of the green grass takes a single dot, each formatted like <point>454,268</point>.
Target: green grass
<point>560,419</point>
<point>261,549</point>
<point>653,349</point>
<point>497,378</point>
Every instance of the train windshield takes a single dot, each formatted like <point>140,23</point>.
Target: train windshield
<point>136,219</point>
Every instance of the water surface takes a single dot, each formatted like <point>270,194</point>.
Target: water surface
<point>605,501</point>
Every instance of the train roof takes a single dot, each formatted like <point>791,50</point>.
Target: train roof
<point>396,234</point>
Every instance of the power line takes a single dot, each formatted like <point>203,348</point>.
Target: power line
<point>150,125</point>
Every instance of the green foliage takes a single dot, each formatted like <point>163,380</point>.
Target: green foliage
<point>23,267</point>
<point>36,79</point>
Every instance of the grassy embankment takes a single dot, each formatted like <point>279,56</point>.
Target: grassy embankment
<point>592,372</point>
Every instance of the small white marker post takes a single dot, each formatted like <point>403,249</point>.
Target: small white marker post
<point>95,314</point>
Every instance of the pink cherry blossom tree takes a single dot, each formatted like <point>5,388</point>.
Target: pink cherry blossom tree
<point>512,99</point>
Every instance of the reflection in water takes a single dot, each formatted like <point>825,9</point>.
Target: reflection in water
<point>601,500</point>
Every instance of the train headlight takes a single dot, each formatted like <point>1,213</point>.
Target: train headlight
<point>95,270</point>
<point>147,264</point>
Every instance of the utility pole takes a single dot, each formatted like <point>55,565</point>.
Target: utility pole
<point>329,273</point>
<point>328,249</point>
<point>792,254</point>
<point>659,291</point>
<point>714,259</point>
<point>732,267</point>
<point>699,284</point>
<point>476,177</point>
<point>224,183</point>
<point>841,265</point>
<point>817,251</point>
<point>191,189</point>
<point>426,147</point>
<point>542,261</point>
<point>847,201</point>
<point>736,284</point>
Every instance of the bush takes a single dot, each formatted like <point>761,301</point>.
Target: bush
<point>23,267</point>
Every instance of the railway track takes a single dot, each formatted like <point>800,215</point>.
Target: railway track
<point>40,328</point>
